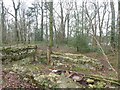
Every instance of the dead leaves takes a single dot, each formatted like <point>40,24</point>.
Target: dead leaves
<point>12,80</point>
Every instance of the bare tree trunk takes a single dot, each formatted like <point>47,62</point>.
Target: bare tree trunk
<point>28,31</point>
<point>62,22</point>
<point>119,41</point>
<point>86,26</point>
<point>3,25</point>
<point>49,51</point>
<point>36,29</point>
<point>46,27</point>
<point>107,27</point>
<point>82,16</point>
<point>55,31</point>
<point>95,29</point>
<point>17,33</point>
<point>92,25</point>
<point>101,22</point>
<point>68,20</point>
<point>112,25</point>
<point>16,21</point>
<point>46,15</point>
<point>24,28</point>
<point>41,21</point>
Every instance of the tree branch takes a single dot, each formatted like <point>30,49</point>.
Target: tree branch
<point>9,12</point>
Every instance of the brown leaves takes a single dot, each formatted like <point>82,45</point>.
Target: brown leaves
<point>12,80</point>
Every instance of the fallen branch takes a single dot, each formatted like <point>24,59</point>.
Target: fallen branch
<point>106,58</point>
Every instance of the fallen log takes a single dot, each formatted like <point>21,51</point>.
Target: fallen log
<point>100,78</point>
<point>78,59</point>
<point>18,53</point>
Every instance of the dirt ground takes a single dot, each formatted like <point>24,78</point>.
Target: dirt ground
<point>13,80</point>
<point>106,70</point>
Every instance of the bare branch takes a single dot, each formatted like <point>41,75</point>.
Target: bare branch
<point>18,6</point>
<point>57,13</point>
<point>9,12</point>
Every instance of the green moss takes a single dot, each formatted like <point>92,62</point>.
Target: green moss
<point>79,69</point>
<point>42,60</point>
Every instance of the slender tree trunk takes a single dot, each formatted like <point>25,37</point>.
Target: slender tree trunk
<point>36,29</point>
<point>86,26</point>
<point>46,15</point>
<point>49,51</point>
<point>3,25</point>
<point>29,33</point>
<point>112,25</point>
<point>92,26</point>
<point>55,32</point>
<point>100,29</point>
<point>107,27</point>
<point>16,21</point>
<point>41,21</point>
<point>119,41</point>
<point>51,25</point>
<point>95,31</point>
<point>101,20</point>
<point>62,23</point>
<point>24,28</point>
<point>82,17</point>
<point>46,27</point>
<point>68,20</point>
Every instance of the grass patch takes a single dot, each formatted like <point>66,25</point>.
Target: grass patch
<point>43,61</point>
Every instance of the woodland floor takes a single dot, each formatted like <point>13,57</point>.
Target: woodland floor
<point>14,78</point>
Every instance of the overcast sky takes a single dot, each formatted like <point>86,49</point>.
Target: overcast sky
<point>8,3</point>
